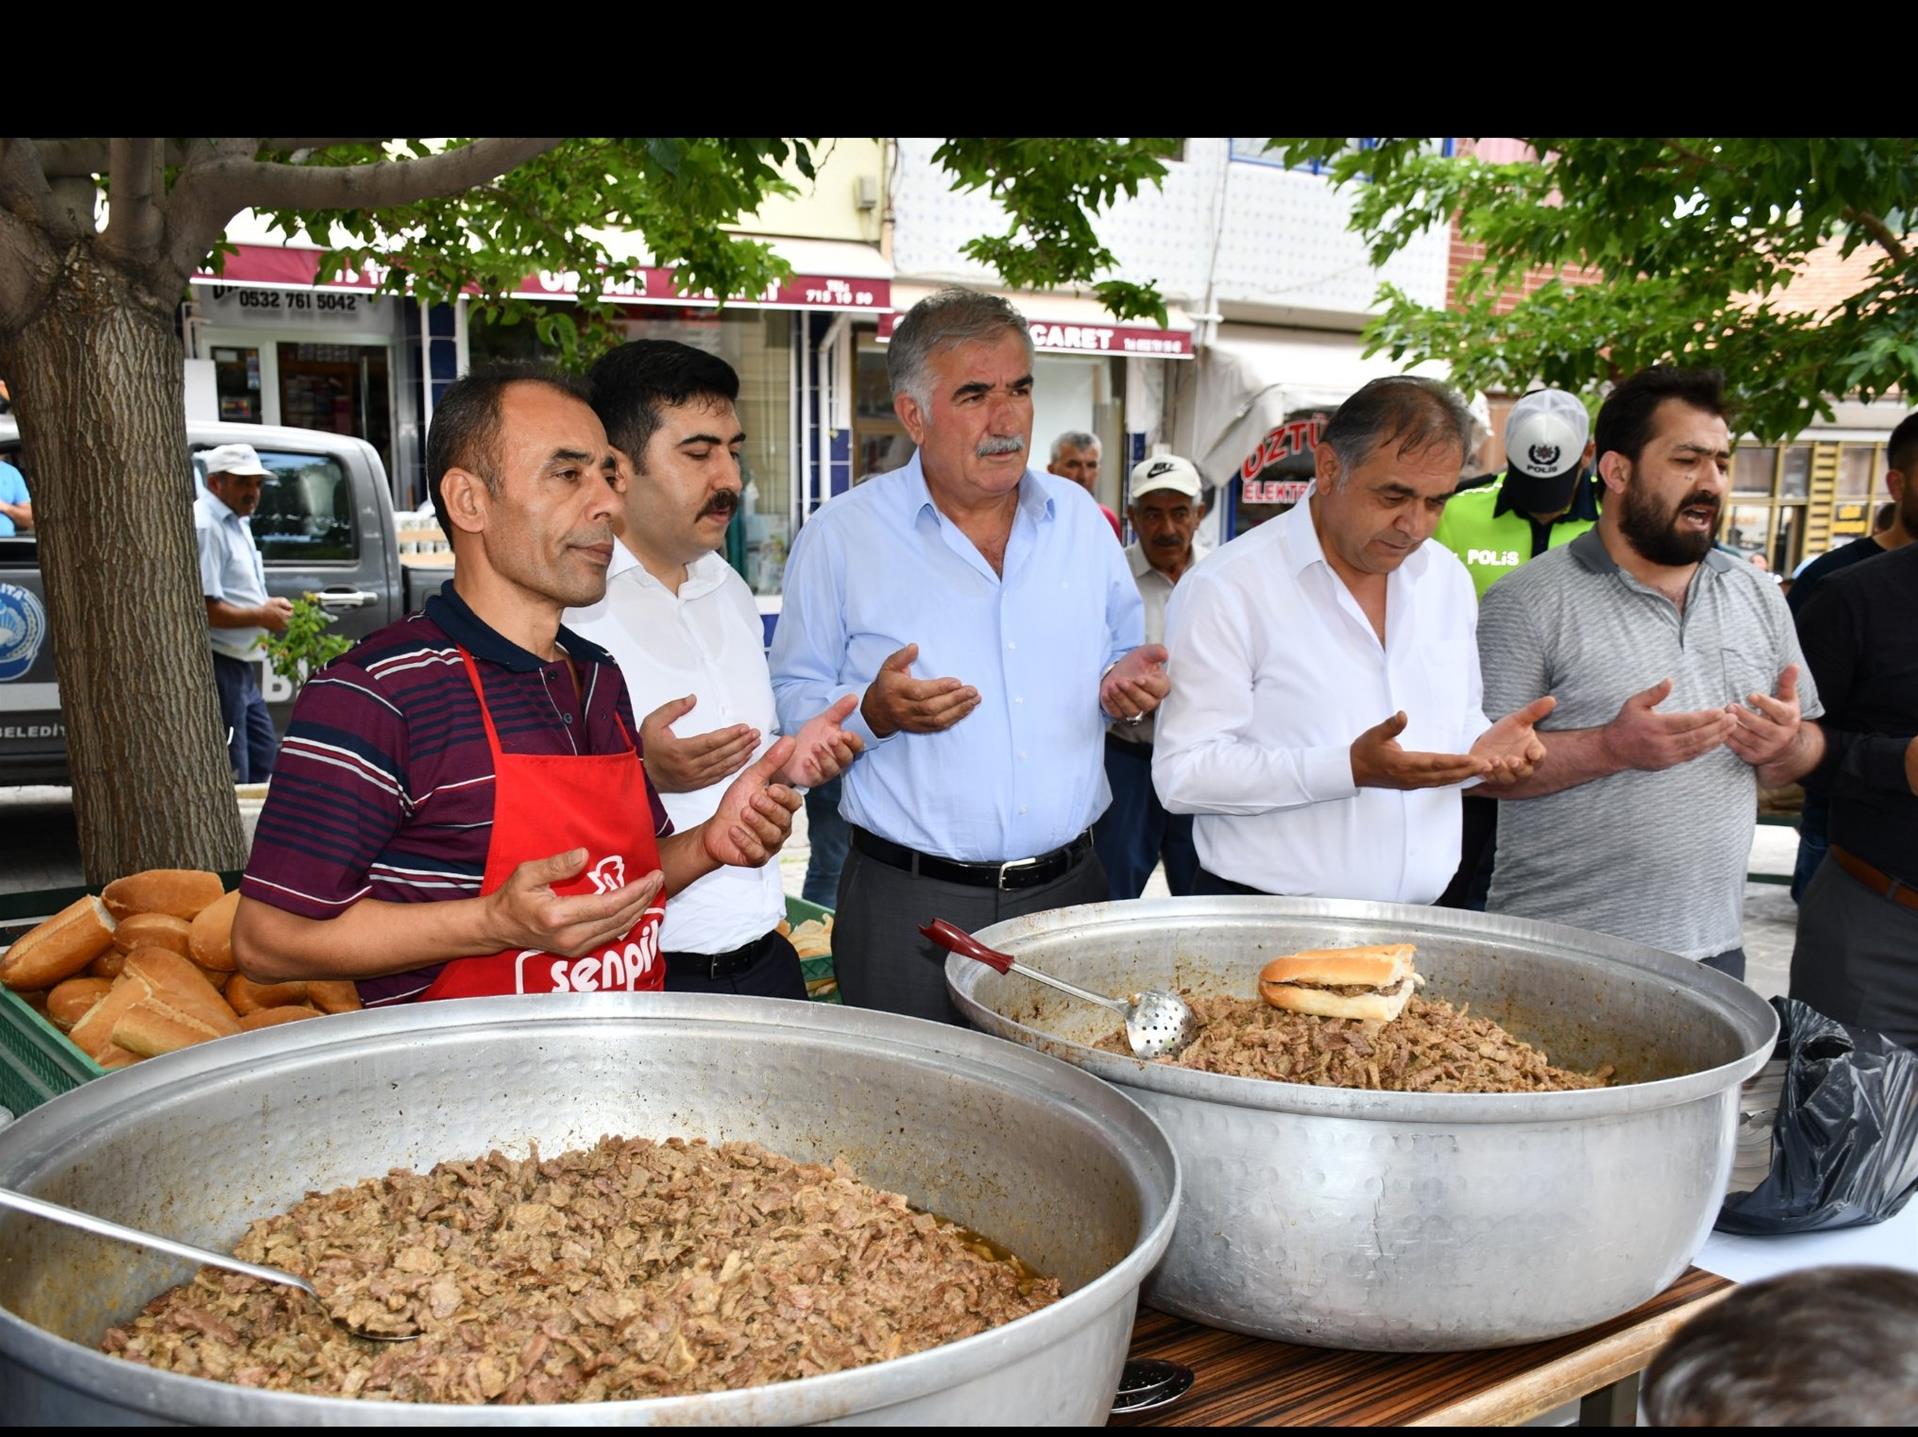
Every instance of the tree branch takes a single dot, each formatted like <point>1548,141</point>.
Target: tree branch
<point>134,223</point>
<point>24,190</point>
<point>248,184</point>
<point>211,194</point>
<point>319,144</point>
<point>1878,230</point>
<point>29,264</point>
<point>72,159</point>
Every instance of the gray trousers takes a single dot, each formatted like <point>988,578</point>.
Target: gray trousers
<point>878,954</point>
<point>1856,956</point>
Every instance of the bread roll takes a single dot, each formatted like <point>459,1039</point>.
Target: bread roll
<point>177,983</point>
<point>116,1057</point>
<point>245,996</point>
<point>334,996</point>
<point>273,1017</point>
<point>107,965</point>
<point>68,1003</point>
<point>36,1000</point>
<point>93,1033</point>
<point>162,1024</point>
<point>1309,982</point>
<point>152,930</point>
<point>211,937</point>
<point>60,947</point>
<point>183,892</point>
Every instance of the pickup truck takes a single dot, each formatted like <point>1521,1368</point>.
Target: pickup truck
<point>325,526</point>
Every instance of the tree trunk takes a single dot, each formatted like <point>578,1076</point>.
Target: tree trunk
<point>98,390</point>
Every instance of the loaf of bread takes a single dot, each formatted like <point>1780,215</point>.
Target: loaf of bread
<point>152,930</point>
<point>180,1007</point>
<point>93,1033</point>
<point>210,939</point>
<point>182,892</point>
<point>60,947</point>
<point>340,995</point>
<point>68,1003</point>
<point>107,965</point>
<point>273,1017</point>
<point>116,1057</point>
<point>245,996</point>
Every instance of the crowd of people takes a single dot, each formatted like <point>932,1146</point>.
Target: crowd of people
<point>1009,712</point>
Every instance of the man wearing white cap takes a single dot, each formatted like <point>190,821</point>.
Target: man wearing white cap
<point>1136,832</point>
<point>1547,496</point>
<point>238,611</point>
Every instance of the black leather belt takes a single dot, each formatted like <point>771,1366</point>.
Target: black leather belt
<point>1018,873</point>
<point>721,965</point>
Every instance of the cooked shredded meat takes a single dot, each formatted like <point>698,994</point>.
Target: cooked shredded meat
<point>1431,1047</point>
<point>631,1269</point>
<point>1351,990</point>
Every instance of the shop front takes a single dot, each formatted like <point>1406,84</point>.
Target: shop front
<point>280,348</point>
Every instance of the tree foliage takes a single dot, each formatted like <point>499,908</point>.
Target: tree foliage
<point>1695,243</point>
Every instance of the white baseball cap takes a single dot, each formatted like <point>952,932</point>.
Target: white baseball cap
<point>233,459</point>
<point>1546,436</point>
<point>1165,471</point>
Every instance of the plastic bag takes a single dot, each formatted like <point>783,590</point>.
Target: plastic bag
<point>1845,1140</point>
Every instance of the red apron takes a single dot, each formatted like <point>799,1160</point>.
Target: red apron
<point>549,803</point>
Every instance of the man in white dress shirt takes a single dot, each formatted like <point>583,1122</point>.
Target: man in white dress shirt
<point>687,635</point>
<point>1325,703</point>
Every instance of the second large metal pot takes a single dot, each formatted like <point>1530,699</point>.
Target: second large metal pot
<point>1055,1165</point>
<point>1411,1221</point>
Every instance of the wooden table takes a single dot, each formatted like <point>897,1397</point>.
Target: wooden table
<point>1249,1382</point>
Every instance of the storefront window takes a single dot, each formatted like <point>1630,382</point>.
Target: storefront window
<point>1752,469</point>
<point>1795,479</point>
<point>880,441</point>
<point>340,388</point>
<point>758,345</point>
<point>1857,470</point>
<point>236,380</point>
<point>1748,527</point>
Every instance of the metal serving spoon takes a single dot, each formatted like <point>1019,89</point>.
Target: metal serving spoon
<point>1158,1024</point>
<point>100,1227</point>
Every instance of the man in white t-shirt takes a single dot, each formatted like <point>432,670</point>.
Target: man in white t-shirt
<point>687,635</point>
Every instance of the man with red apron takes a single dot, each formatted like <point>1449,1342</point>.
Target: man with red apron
<point>461,808</point>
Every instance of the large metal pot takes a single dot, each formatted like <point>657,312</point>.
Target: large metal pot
<point>1059,1167</point>
<point>1406,1221</point>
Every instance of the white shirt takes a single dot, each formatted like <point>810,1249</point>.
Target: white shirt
<point>1275,671</point>
<point>1155,592</point>
<point>706,640</point>
<point>230,570</point>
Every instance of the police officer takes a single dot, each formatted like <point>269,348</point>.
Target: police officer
<point>1547,496</point>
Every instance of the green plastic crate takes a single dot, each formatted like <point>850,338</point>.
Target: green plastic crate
<point>36,1060</point>
<point>798,911</point>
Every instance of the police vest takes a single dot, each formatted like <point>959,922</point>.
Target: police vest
<point>1491,545</point>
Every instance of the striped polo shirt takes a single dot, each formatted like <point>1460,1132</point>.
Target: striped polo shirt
<point>384,786</point>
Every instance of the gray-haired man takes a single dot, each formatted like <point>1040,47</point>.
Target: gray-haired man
<point>238,610</point>
<point>1075,456</point>
<point>992,628</point>
<point>1304,652</point>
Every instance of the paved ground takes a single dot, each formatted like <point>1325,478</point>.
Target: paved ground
<point>39,849</point>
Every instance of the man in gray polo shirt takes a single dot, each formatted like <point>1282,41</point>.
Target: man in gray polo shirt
<point>1680,690</point>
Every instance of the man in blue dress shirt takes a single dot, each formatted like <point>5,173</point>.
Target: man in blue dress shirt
<point>992,629</point>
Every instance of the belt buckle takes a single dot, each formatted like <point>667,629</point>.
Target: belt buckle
<point>1006,868</point>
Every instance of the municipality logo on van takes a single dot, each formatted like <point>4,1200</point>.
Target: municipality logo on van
<point>23,630</point>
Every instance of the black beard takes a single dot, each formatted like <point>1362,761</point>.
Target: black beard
<point>1653,530</point>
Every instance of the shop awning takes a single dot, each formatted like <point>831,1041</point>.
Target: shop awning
<point>828,275</point>
<point>1069,324</point>
<point>1253,379</point>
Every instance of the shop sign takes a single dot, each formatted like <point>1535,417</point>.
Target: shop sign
<point>1296,436</point>
<point>1145,342</point>
<point>1272,491</point>
<point>229,305</point>
<point>268,266</point>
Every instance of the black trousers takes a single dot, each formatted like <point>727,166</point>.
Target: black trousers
<point>882,960</point>
<point>773,973</point>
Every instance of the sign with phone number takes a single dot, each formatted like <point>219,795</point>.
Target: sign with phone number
<point>228,306</point>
